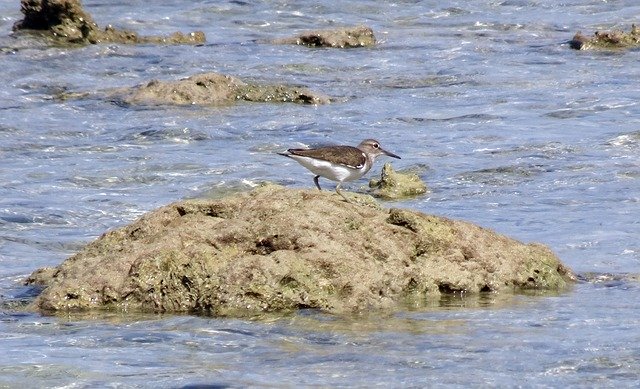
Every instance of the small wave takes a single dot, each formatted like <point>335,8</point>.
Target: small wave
<point>629,141</point>
<point>610,279</point>
<point>174,135</point>
<point>504,175</point>
<point>474,117</point>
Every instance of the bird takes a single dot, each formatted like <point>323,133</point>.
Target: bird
<point>339,163</point>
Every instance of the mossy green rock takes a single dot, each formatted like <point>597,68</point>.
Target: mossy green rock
<point>607,40</point>
<point>276,249</point>
<point>342,37</point>
<point>66,21</point>
<point>214,89</point>
<point>394,185</point>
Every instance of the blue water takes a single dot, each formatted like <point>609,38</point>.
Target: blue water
<point>510,128</point>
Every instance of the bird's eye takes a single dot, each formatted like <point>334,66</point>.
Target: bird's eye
<point>375,145</point>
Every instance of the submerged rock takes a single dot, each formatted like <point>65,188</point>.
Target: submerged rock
<point>607,40</point>
<point>276,249</point>
<point>358,36</point>
<point>67,21</point>
<point>111,34</point>
<point>394,185</point>
<point>214,89</point>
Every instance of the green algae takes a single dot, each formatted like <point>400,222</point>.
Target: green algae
<point>394,185</point>
<point>275,249</point>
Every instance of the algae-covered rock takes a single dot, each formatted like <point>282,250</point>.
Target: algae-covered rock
<point>200,89</point>
<point>214,89</point>
<point>280,94</point>
<point>615,39</point>
<point>394,185</point>
<point>278,249</point>
<point>67,21</point>
<point>345,37</point>
<point>111,34</point>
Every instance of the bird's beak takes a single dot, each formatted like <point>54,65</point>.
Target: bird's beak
<point>390,154</point>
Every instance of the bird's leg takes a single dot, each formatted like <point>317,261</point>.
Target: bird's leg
<point>340,193</point>
<point>315,179</point>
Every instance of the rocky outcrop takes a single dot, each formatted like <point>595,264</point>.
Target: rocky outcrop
<point>213,89</point>
<point>358,36</point>
<point>607,40</point>
<point>67,21</point>
<point>279,249</point>
<point>394,185</point>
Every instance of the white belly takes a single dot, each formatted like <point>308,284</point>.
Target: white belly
<point>325,169</point>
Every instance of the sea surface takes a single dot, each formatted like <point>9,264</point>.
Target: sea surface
<point>510,128</point>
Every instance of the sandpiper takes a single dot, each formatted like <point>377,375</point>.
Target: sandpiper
<point>339,163</point>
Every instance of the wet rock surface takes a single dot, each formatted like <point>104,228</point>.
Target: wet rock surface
<point>345,37</point>
<point>277,249</point>
<point>394,185</point>
<point>213,89</point>
<point>615,39</point>
<point>67,21</point>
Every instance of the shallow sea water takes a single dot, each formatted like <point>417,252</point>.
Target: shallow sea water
<point>510,128</point>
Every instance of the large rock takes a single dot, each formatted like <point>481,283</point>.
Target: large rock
<point>67,21</point>
<point>281,249</point>
<point>214,89</point>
